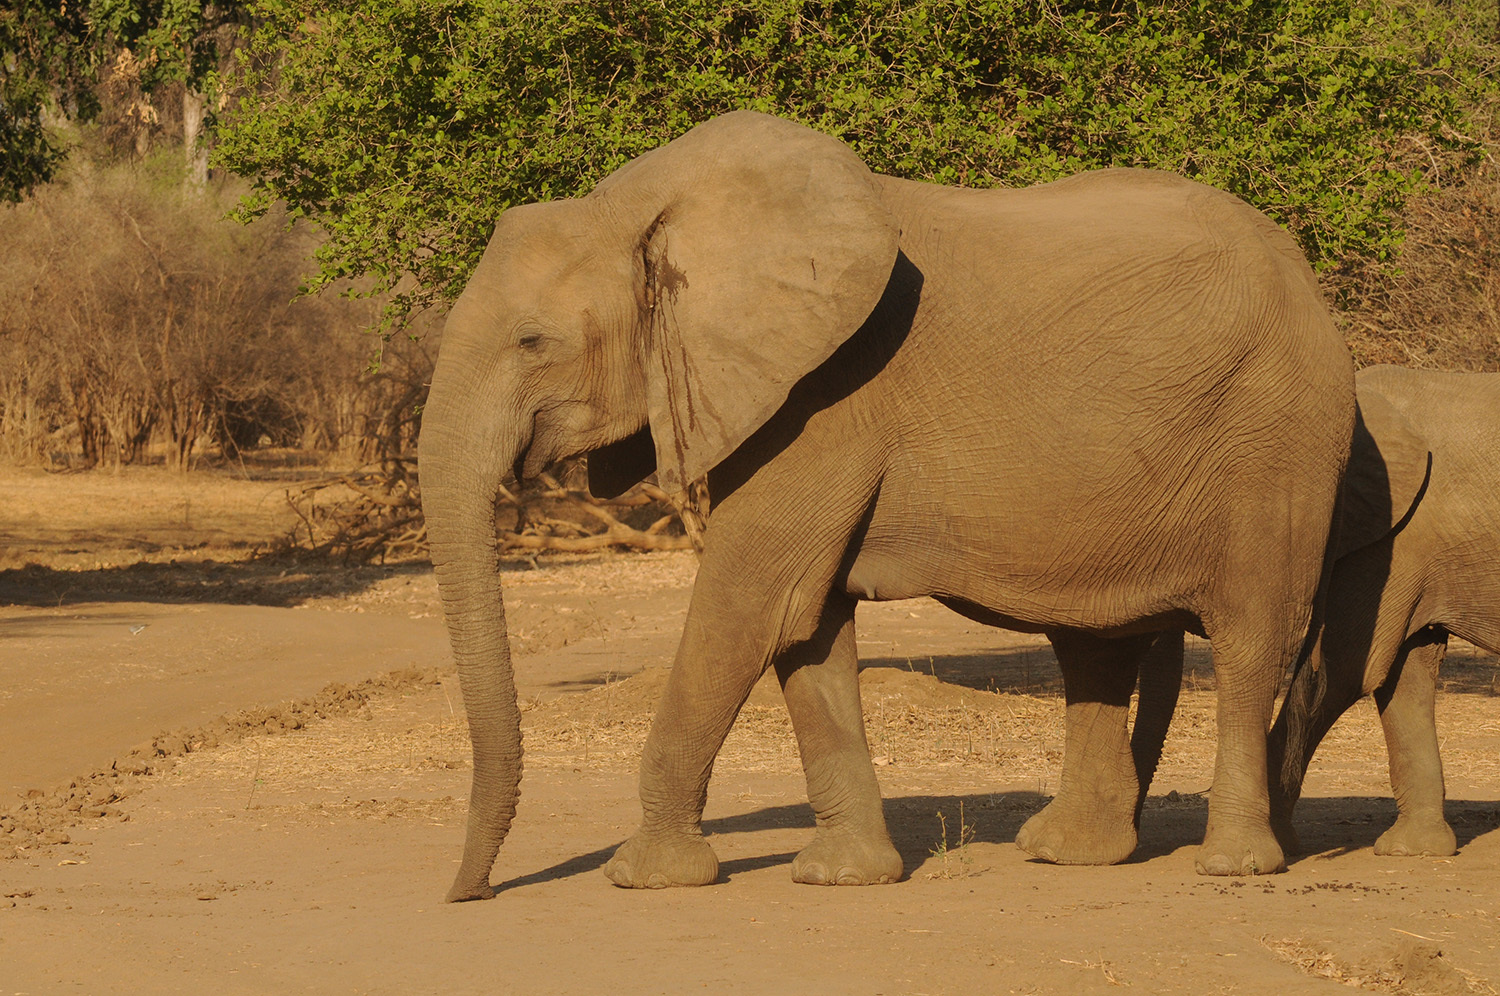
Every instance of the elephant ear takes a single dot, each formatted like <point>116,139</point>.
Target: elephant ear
<point>763,246</point>
<point>1389,464</point>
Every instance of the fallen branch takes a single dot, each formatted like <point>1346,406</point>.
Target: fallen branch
<point>375,513</point>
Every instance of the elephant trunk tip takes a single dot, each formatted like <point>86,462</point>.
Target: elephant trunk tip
<point>467,888</point>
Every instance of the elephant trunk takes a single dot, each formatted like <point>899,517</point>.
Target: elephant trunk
<point>462,461</point>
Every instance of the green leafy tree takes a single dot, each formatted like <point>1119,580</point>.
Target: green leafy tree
<point>174,43</point>
<point>405,126</point>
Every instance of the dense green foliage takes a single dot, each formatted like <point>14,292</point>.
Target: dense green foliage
<point>405,126</point>
<point>42,63</point>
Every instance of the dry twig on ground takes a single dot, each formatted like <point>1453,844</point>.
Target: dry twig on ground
<point>375,513</point>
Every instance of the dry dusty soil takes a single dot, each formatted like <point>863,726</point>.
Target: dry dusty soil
<point>229,774</point>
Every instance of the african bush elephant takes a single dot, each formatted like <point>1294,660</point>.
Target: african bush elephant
<point>1098,408</point>
<point>1394,601</point>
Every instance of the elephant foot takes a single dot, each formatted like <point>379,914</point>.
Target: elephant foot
<point>846,859</point>
<point>662,861</point>
<point>1068,835</point>
<point>1241,852</point>
<point>1415,836</point>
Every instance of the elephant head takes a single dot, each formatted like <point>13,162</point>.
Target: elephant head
<point>686,294</point>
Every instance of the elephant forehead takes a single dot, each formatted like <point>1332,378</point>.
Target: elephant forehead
<point>546,264</point>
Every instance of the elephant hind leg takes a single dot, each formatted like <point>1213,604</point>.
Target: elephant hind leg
<point>1160,686</point>
<point>1092,819</point>
<point>1406,703</point>
<point>1251,653</point>
<point>820,680</point>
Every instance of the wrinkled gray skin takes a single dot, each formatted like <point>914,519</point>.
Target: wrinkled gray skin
<point>1394,602</point>
<point>1097,409</point>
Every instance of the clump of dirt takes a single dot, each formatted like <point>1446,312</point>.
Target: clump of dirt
<point>881,685</point>
<point>386,810</point>
<point>1410,966</point>
<point>42,820</point>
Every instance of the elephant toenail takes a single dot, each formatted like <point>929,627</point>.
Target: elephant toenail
<point>814,873</point>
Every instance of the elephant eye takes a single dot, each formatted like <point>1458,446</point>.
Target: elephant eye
<point>530,340</point>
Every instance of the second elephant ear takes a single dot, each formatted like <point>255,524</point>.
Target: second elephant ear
<point>763,246</point>
<point>1389,464</point>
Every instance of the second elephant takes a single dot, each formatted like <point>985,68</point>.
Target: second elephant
<point>1410,572</point>
<point>1393,604</point>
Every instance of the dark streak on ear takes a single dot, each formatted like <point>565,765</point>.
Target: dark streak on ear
<point>664,282</point>
<point>648,266</point>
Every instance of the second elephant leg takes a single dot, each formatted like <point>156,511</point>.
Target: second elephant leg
<point>1406,703</point>
<point>1324,687</point>
<point>821,683</point>
<point>1092,819</point>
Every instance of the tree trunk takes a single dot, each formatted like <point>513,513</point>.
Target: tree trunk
<point>194,147</point>
<point>90,432</point>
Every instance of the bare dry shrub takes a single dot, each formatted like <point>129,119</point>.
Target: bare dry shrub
<point>1436,302</point>
<point>133,312</point>
<point>30,407</point>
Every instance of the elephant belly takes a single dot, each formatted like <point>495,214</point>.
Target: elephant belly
<point>970,586</point>
<point>884,576</point>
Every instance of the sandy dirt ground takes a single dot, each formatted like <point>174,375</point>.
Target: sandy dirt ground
<point>236,775</point>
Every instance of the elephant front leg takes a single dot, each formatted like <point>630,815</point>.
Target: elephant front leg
<point>710,680</point>
<point>1092,819</point>
<point>820,680</point>
<point>1406,704</point>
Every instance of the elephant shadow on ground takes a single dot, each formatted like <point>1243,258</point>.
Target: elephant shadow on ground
<point>1027,670</point>
<point>275,581</point>
<point>1033,670</point>
<point>1334,825</point>
<point>1329,827</point>
<point>993,817</point>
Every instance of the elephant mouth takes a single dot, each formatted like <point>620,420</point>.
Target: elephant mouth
<point>552,435</point>
<point>526,463</point>
<point>539,447</point>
